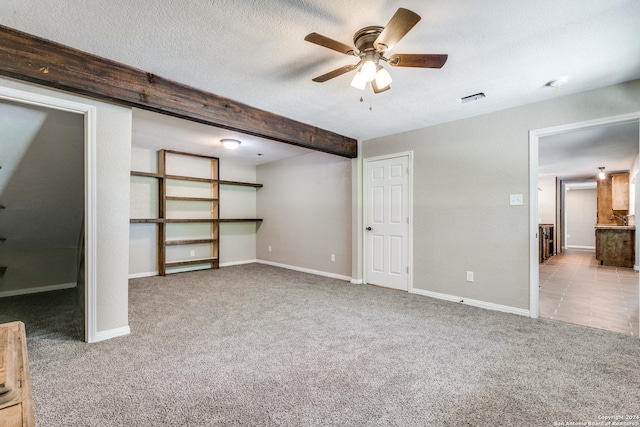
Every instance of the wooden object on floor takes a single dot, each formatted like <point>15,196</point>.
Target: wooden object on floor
<point>615,246</point>
<point>545,241</point>
<point>16,402</point>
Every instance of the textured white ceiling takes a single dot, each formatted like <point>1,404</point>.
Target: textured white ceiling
<point>253,51</point>
<point>577,155</point>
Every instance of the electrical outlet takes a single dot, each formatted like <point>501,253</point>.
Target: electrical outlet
<point>333,257</point>
<point>269,248</point>
<point>192,253</point>
<point>469,276</point>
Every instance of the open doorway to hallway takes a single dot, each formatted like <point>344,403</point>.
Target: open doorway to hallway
<point>576,283</point>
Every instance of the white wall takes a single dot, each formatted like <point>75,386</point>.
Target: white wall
<point>581,206</point>
<point>306,206</point>
<point>113,155</point>
<point>547,199</point>
<point>464,173</point>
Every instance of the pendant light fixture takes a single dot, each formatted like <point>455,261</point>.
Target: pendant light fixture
<point>601,174</point>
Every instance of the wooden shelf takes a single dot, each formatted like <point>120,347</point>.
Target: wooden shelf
<point>192,199</point>
<point>191,178</point>
<point>189,242</point>
<point>192,262</point>
<point>240,220</point>
<point>243,184</point>
<point>189,220</point>
<point>146,220</point>
<point>146,174</point>
<point>165,160</point>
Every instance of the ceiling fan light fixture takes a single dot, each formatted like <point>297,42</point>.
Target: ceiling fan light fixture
<point>358,81</point>
<point>369,68</point>
<point>383,78</point>
<point>230,144</point>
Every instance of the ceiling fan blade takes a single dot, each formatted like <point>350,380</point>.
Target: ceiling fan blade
<point>399,25</point>
<point>418,60</point>
<point>375,88</point>
<point>331,44</point>
<point>335,73</point>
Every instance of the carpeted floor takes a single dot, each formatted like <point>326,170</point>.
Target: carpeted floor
<point>258,345</point>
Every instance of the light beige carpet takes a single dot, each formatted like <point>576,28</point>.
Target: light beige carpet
<point>257,345</point>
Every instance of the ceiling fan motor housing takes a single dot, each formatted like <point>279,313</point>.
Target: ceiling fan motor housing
<point>364,38</point>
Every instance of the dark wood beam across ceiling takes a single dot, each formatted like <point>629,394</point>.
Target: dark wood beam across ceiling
<point>37,60</point>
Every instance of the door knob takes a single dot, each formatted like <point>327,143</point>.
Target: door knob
<point>368,228</point>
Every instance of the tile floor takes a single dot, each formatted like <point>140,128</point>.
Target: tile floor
<point>575,288</point>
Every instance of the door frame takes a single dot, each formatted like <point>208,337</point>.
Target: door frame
<point>90,191</point>
<point>534,140</point>
<point>365,183</point>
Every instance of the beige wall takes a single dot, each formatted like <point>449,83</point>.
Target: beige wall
<point>113,154</point>
<point>582,215</point>
<point>306,207</point>
<point>547,200</point>
<point>464,172</point>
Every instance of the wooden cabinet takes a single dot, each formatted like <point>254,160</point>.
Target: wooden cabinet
<point>613,199</point>
<point>615,246</point>
<point>545,241</point>
<point>16,403</point>
<point>620,191</point>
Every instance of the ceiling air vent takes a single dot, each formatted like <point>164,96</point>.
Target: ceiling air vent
<point>474,97</point>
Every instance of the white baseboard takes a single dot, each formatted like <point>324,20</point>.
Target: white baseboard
<point>357,281</point>
<point>593,248</point>
<point>636,267</point>
<point>37,290</point>
<point>305,270</point>
<point>229,264</point>
<point>112,333</point>
<point>473,302</point>
<point>140,275</point>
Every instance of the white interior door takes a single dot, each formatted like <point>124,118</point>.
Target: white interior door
<point>387,222</point>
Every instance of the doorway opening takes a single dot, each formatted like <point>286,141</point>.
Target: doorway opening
<point>48,194</point>
<point>573,283</point>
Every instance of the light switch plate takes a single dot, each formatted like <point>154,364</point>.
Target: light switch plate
<point>516,199</point>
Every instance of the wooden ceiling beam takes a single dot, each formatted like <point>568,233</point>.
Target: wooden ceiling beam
<point>37,60</point>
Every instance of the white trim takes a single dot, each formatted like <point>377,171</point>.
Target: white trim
<point>37,290</point>
<point>111,333</point>
<point>356,281</point>
<point>305,270</point>
<point>580,247</point>
<point>473,302</point>
<point>409,155</point>
<point>534,140</point>
<point>90,120</point>
<point>232,263</point>
<point>141,275</point>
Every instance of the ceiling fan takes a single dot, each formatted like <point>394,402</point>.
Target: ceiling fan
<point>371,45</point>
